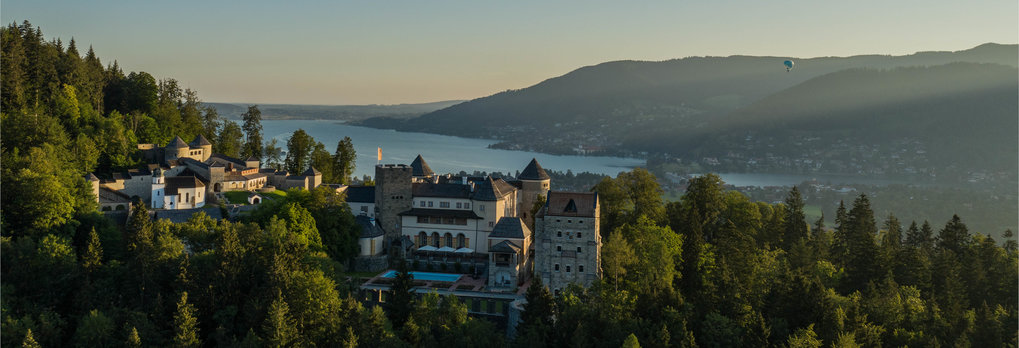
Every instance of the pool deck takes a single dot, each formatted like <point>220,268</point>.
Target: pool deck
<point>466,280</point>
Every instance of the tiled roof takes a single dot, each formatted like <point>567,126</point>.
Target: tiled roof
<point>368,228</point>
<point>441,190</point>
<point>510,227</point>
<point>580,204</point>
<point>533,172</point>
<point>492,190</point>
<point>179,182</point>
<point>177,143</point>
<point>505,247</point>
<point>200,141</point>
<point>107,195</point>
<point>311,172</point>
<point>182,215</point>
<point>361,194</point>
<point>420,168</point>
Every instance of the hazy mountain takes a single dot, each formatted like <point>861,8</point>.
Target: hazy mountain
<point>697,107</point>
<point>960,116</point>
<point>331,112</point>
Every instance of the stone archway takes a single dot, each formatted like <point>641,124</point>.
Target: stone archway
<point>218,187</point>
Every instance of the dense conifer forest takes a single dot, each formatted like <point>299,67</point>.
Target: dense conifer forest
<point>713,269</point>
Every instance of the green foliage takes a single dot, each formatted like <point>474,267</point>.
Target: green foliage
<point>344,161</point>
<point>185,324</point>
<point>252,133</point>
<point>631,342</point>
<point>299,152</point>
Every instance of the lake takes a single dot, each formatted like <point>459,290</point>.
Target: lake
<point>444,154</point>
<point>449,154</point>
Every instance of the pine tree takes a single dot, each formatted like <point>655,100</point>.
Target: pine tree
<point>839,240</point>
<point>29,341</point>
<point>93,256</point>
<point>253,133</point>
<point>402,299</point>
<point>535,326</point>
<point>280,330</point>
<point>795,228</point>
<point>133,340</point>
<point>955,236</point>
<point>861,251</point>
<point>343,161</point>
<point>185,322</point>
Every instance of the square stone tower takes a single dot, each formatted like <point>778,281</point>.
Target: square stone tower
<point>393,195</point>
<point>567,243</point>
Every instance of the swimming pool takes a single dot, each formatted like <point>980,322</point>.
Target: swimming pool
<point>439,277</point>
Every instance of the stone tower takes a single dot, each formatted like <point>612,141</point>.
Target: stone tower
<point>567,243</point>
<point>176,149</point>
<point>393,195</point>
<point>202,143</point>
<point>534,182</point>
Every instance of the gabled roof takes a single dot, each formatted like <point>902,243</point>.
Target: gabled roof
<point>441,190</point>
<point>178,182</point>
<point>368,227</point>
<point>311,172</point>
<point>510,227</point>
<point>492,190</point>
<point>361,194</point>
<point>420,168</point>
<point>200,141</point>
<point>534,171</point>
<point>250,159</point>
<point>177,143</point>
<point>505,247</point>
<point>183,215</point>
<point>580,204</point>
<point>218,158</point>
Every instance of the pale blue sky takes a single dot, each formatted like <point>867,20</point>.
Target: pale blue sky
<point>343,52</point>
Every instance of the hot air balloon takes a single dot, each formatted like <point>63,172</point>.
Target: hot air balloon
<point>788,65</point>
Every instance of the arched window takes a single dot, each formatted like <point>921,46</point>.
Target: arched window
<point>460,241</point>
<point>435,239</point>
<point>449,240</point>
<point>422,239</point>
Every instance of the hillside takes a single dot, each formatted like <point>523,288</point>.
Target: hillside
<point>672,108</point>
<point>951,120</point>
<point>331,112</point>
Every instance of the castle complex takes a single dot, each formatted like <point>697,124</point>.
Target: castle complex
<point>447,217</point>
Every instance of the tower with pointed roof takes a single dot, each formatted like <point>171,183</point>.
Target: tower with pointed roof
<point>534,183</point>
<point>203,148</point>
<point>420,171</point>
<point>177,148</point>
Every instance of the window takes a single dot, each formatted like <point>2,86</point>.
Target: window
<point>569,221</point>
<point>435,239</point>
<point>449,240</point>
<point>467,205</point>
<point>557,220</point>
<point>422,203</point>
<point>448,220</point>
<point>580,268</point>
<point>559,234</point>
<point>422,219</point>
<point>558,248</point>
<point>481,207</point>
<point>491,224</point>
<point>430,204</point>
<point>364,208</point>
<point>578,250</point>
<point>443,204</point>
<point>580,234</point>
<point>580,221</point>
<point>459,205</point>
<point>557,267</point>
<point>567,269</point>
<point>460,242</point>
<point>422,239</point>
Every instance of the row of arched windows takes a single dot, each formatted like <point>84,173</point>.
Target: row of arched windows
<point>438,241</point>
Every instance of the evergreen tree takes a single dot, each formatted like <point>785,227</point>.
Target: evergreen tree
<point>862,263</point>
<point>402,296</point>
<point>133,340</point>
<point>93,256</point>
<point>279,328</point>
<point>185,324</point>
<point>535,328</point>
<point>344,161</point>
<point>631,342</point>
<point>795,228</point>
<point>229,140</point>
<point>955,236</point>
<point>299,149</point>
<point>253,133</point>
<point>29,341</point>
<point>273,154</point>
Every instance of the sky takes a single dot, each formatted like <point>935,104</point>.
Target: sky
<point>391,52</point>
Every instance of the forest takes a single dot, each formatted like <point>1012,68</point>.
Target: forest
<point>713,269</point>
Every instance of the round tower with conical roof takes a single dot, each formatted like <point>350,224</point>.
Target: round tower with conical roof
<point>535,182</point>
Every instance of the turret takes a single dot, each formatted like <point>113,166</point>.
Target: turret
<point>202,144</point>
<point>535,182</point>
<point>176,149</point>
